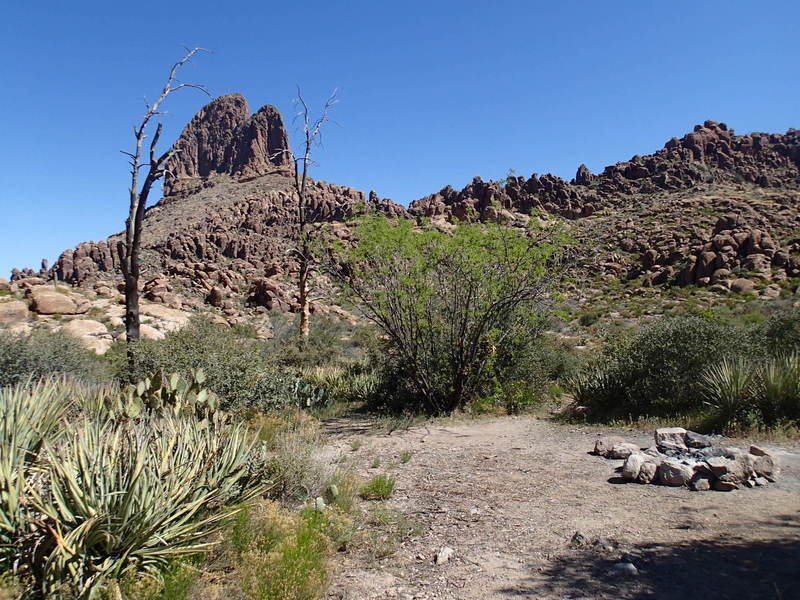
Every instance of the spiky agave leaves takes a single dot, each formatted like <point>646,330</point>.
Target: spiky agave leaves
<point>130,496</point>
<point>29,414</point>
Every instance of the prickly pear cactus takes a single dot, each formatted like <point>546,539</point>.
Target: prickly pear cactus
<point>167,394</point>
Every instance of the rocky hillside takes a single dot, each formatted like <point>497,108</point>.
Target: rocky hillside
<point>712,209</point>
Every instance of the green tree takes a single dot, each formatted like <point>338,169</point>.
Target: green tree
<point>454,306</point>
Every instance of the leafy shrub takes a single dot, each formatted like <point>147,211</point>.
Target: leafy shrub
<point>780,334</point>
<point>451,305</point>
<point>43,354</point>
<point>234,365</point>
<point>657,371</point>
<point>380,487</point>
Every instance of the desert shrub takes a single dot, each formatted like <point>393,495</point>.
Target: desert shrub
<point>91,504</point>
<point>43,353</point>
<point>449,304</point>
<point>780,334</point>
<point>657,371</point>
<point>746,393</point>
<point>380,487</point>
<point>233,365</point>
<point>283,556</point>
<point>291,440</point>
<point>331,341</point>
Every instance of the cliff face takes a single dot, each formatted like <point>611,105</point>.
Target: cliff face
<point>224,139</point>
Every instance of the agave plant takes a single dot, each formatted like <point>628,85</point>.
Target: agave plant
<point>128,497</point>
<point>29,414</point>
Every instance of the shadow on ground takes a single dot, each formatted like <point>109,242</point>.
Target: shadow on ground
<point>720,569</point>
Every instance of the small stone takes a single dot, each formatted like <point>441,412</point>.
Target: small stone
<point>719,465</point>
<point>632,466</point>
<point>579,539</point>
<point>623,450</point>
<point>675,473</point>
<point>603,445</point>
<point>444,554</point>
<point>761,481</point>
<point>624,569</point>
<point>698,440</point>
<point>701,483</point>
<point>759,451</point>
<point>671,438</point>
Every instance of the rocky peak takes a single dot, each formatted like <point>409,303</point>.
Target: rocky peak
<point>224,139</point>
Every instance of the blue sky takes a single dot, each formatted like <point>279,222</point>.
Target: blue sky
<point>431,93</point>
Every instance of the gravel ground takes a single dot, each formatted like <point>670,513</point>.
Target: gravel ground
<point>508,495</point>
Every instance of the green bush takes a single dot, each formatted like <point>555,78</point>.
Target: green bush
<point>380,487</point>
<point>453,306</point>
<point>43,354</point>
<point>234,365</point>
<point>283,556</point>
<point>656,372</point>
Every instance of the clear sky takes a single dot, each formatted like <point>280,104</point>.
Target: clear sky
<point>431,92</point>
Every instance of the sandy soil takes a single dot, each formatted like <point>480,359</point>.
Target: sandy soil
<point>508,495</point>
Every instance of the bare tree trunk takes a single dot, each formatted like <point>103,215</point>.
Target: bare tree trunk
<point>312,133</point>
<point>130,247</point>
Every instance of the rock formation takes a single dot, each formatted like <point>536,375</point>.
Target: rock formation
<point>711,208</point>
<point>224,139</point>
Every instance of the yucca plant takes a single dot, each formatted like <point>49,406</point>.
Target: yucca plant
<point>778,389</point>
<point>29,414</point>
<point>730,388</point>
<point>129,497</point>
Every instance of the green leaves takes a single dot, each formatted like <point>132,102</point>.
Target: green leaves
<point>86,501</point>
<point>449,302</point>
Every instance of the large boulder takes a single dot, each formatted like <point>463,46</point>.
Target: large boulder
<point>91,334</point>
<point>13,312</point>
<point>47,300</point>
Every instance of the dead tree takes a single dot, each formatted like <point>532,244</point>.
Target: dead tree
<point>312,136</point>
<point>129,248</point>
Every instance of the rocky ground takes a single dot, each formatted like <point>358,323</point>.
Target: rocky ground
<point>529,513</point>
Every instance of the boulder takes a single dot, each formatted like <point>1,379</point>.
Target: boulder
<point>648,472</point>
<point>759,451</point>
<point>766,466</point>
<point>13,312</point>
<point>640,468</point>
<point>671,438</point>
<point>4,285</point>
<point>91,334</point>
<point>675,473</point>
<point>742,286</point>
<point>722,485</point>
<point>46,300</point>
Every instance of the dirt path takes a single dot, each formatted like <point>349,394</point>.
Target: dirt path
<point>507,495</point>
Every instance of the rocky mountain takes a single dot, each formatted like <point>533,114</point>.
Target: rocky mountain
<point>712,209</point>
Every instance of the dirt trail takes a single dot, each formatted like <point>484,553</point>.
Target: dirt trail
<point>509,494</point>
